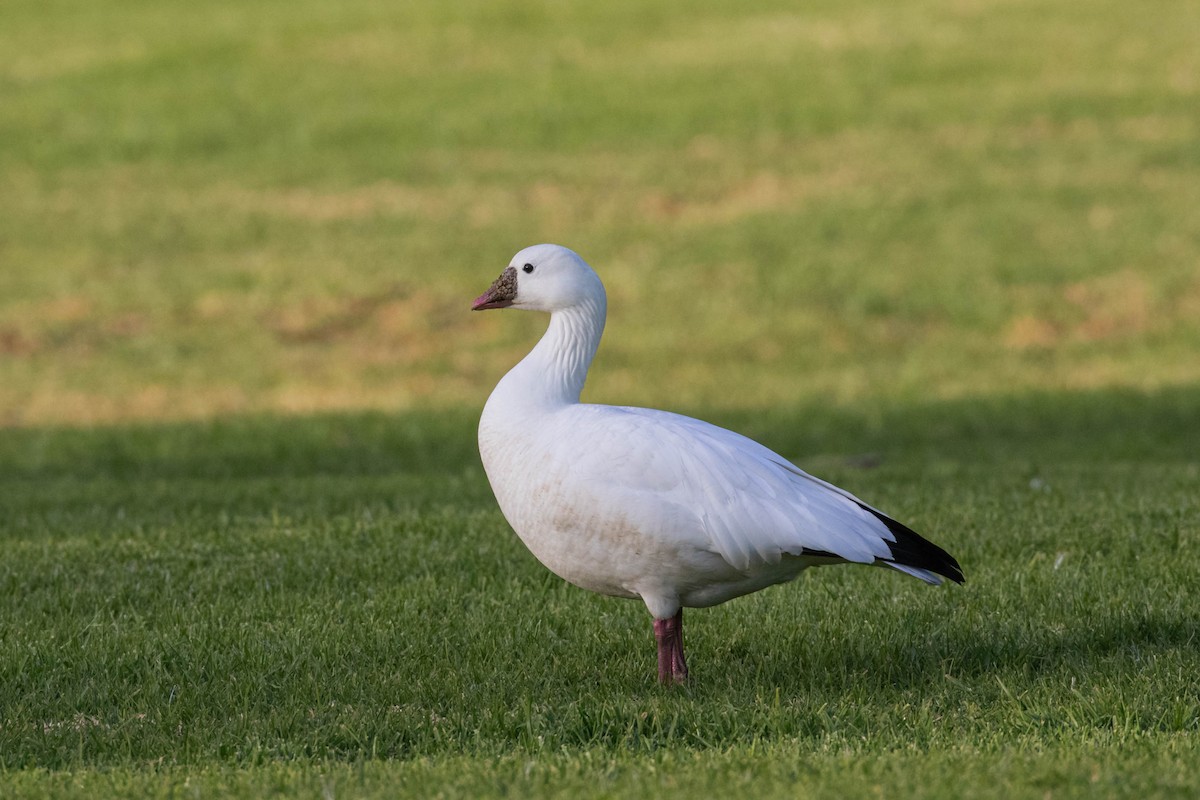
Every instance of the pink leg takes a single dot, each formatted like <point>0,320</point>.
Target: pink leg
<point>669,633</point>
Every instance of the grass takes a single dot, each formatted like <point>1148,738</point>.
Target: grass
<point>267,604</point>
<point>937,252</point>
<point>236,208</point>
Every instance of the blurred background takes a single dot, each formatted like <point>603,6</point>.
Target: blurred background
<point>229,207</point>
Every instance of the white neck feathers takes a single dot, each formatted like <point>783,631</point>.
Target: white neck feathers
<point>555,370</point>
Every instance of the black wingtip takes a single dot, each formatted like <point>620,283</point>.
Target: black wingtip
<point>913,550</point>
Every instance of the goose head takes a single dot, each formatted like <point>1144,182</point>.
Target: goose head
<point>544,277</point>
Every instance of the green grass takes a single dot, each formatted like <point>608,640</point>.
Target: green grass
<point>234,207</point>
<point>247,545</point>
<point>267,604</point>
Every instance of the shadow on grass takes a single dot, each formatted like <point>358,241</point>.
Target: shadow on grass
<point>1108,425</point>
<point>918,661</point>
<point>351,444</point>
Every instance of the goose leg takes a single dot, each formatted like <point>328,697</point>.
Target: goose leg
<point>669,633</point>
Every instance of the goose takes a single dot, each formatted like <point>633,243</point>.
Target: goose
<point>641,503</point>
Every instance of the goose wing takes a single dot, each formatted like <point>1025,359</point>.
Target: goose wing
<point>737,498</point>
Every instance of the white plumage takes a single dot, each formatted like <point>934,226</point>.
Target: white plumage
<point>636,502</point>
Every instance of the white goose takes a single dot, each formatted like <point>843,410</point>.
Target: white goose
<point>634,502</point>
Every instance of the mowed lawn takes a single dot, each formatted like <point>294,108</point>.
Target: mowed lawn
<point>945,254</point>
<point>231,207</point>
<point>331,606</point>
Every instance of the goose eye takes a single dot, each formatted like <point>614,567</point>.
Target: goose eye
<point>527,268</point>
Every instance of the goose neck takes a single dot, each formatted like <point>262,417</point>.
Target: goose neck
<point>555,370</point>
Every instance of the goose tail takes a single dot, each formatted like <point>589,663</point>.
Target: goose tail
<point>915,555</point>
